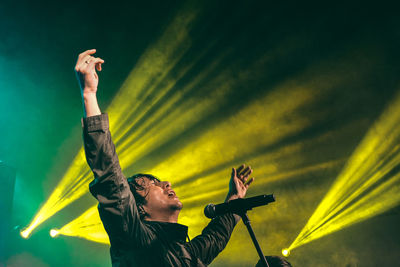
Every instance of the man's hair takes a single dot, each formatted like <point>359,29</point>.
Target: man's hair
<point>275,261</point>
<point>135,187</point>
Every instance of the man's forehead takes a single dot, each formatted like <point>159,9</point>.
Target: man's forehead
<point>143,175</point>
<point>145,178</point>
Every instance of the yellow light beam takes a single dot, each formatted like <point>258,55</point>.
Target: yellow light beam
<point>69,189</point>
<point>151,79</point>
<point>87,226</point>
<point>262,122</point>
<point>368,183</point>
<point>379,200</point>
<point>367,186</point>
<point>163,122</point>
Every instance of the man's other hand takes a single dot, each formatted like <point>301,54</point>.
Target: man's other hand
<point>239,182</point>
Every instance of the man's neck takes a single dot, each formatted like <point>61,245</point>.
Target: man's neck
<point>171,217</point>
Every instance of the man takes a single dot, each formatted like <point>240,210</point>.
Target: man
<point>140,213</point>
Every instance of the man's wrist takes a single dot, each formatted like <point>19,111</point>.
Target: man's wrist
<point>87,94</point>
<point>230,197</point>
<point>90,106</point>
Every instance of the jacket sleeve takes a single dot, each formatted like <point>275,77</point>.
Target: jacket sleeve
<point>117,207</point>
<point>214,237</point>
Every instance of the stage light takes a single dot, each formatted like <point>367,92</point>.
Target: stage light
<point>54,233</point>
<point>25,234</point>
<point>367,186</point>
<point>285,252</point>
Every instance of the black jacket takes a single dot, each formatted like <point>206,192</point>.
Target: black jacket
<point>135,242</point>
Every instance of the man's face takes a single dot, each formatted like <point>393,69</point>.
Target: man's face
<point>160,198</point>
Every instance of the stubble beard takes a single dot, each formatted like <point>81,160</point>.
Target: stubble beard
<point>177,206</point>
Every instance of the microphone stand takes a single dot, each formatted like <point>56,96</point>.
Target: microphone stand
<point>240,207</point>
<point>246,221</point>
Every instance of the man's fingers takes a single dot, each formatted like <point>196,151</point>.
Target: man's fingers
<point>249,182</point>
<point>87,52</point>
<point>233,172</point>
<point>90,59</point>
<point>240,168</point>
<point>245,177</point>
<point>98,66</point>
<point>83,62</point>
<point>237,184</point>
<point>95,62</point>
<point>247,171</point>
<point>89,63</point>
<point>84,59</point>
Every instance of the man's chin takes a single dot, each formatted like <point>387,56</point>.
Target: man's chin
<point>178,205</point>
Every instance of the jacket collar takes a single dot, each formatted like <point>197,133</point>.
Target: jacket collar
<point>174,231</point>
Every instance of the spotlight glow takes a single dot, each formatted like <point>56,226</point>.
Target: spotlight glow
<point>54,233</point>
<point>285,252</point>
<point>25,234</point>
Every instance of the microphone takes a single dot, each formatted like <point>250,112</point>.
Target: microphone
<point>237,206</point>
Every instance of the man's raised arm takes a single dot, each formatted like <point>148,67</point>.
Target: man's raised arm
<point>85,69</point>
<point>216,235</point>
<point>117,207</point>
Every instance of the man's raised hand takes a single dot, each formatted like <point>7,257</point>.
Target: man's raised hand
<point>239,182</point>
<point>85,69</point>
